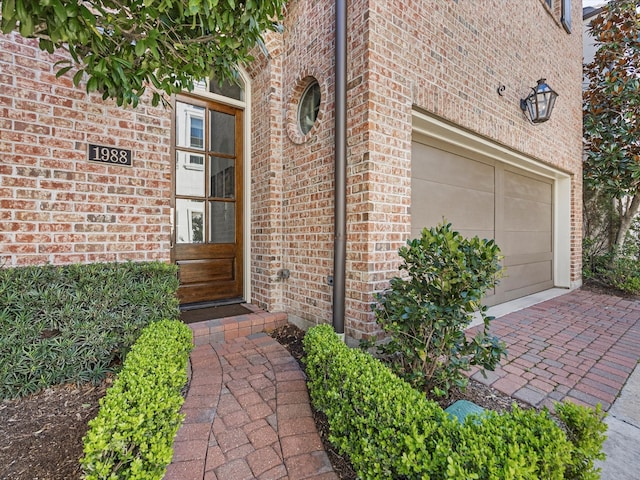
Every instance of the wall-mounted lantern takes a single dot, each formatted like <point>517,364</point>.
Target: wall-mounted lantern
<point>540,102</point>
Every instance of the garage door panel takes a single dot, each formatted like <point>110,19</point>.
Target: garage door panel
<point>515,260</point>
<point>491,200</point>
<point>447,168</point>
<point>521,292</point>
<point>417,231</point>
<point>473,209</point>
<point>516,243</point>
<point>525,187</point>
<point>519,276</point>
<point>526,216</point>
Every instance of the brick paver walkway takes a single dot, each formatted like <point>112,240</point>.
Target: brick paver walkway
<point>248,416</point>
<point>248,413</point>
<point>581,347</point>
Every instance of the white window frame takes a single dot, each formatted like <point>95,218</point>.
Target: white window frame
<point>190,118</point>
<point>565,16</point>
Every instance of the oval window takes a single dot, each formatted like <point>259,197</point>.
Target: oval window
<point>309,107</point>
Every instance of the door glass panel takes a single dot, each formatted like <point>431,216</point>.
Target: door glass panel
<point>223,222</point>
<point>223,133</point>
<point>189,126</point>
<point>190,226</point>
<point>190,174</point>
<point>223,177</point>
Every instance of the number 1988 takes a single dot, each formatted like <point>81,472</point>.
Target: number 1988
<point>118,156</point>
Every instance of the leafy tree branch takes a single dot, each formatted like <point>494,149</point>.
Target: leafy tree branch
<point>123,47</point>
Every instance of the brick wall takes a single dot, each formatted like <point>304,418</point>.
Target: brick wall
<point>445,58</point>
<point>55,206</point>
<point>307,163</point>
<point>266,175</point>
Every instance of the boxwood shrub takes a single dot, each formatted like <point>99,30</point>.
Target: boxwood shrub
<point>132,436</point>
<point>390,430</point>
<point>75,323</point>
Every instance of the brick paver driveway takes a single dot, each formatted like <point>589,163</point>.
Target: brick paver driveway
<point>581,347</point>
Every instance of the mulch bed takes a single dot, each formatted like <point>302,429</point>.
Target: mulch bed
<point>42,434</point>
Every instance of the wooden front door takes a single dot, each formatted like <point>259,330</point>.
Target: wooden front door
<point>207,174</point>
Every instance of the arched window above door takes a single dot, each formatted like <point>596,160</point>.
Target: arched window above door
<point>225,88</point>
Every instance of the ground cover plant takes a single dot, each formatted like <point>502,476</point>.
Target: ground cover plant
<point>426,311</point>
<point>604,263</point>
<point>621,273</point>
<point>76,323</point>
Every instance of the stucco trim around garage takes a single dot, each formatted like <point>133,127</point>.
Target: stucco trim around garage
<point>442,132</point>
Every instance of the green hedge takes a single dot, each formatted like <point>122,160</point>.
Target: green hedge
<point>390,430</point>
<point>75,323</point>
<point>132,436</point>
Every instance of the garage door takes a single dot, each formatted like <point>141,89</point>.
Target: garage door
<point>484,197</point>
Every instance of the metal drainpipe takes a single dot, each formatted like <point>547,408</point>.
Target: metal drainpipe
<point>340,239</point>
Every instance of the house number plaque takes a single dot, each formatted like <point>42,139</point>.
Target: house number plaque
<point>113,155</point>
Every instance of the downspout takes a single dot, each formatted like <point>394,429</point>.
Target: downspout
<point>340,216</point>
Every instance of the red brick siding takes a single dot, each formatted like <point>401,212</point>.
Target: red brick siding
<point>307,167</point>
<point>56,206</point>
<point>266,176</point>
<point>445,58</point>
<point>448,58</point>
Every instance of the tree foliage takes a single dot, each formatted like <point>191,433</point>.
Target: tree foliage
<point>611,111</point>
<point>123,47</point>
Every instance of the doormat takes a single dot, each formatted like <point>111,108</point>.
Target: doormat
<point>213,313</point>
